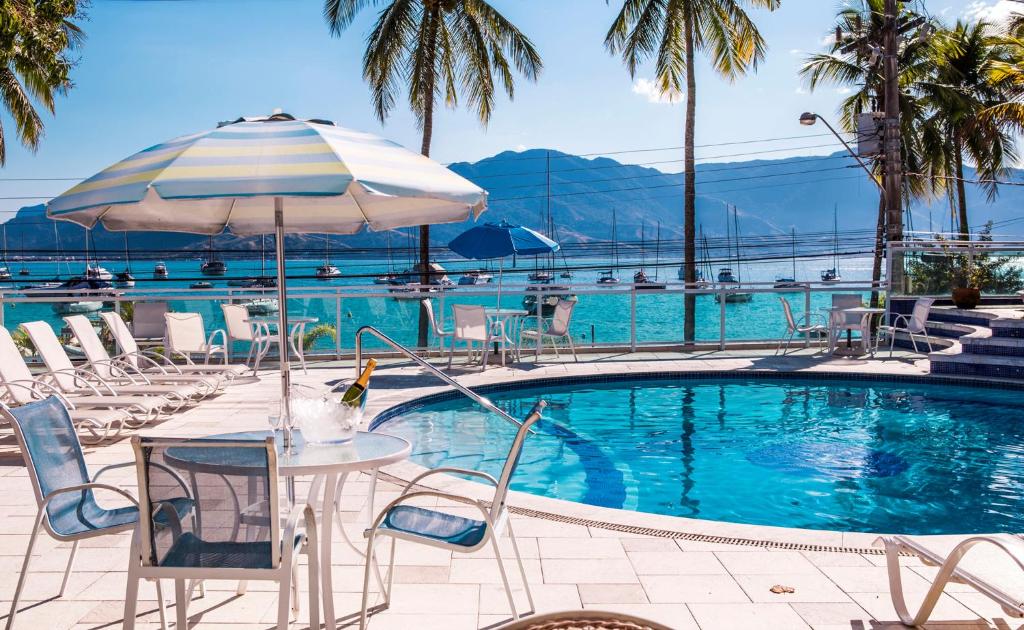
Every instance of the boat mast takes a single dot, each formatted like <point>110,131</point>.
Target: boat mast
<point>263,255</point>
<point>615,241</point>
<point>22,235</point>
<point>657,250</point>
<point>794,253</point>
<point>835,238</point>
<point>127,255</point>
<point>736,234</point>
<point>728,238</point>
<point>5,244</point>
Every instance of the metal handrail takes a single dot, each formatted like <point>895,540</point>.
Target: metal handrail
<point>462,389</point>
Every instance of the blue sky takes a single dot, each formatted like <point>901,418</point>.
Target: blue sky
<point>153,70</point>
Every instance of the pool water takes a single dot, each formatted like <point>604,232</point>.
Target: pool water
<point>818,454</point>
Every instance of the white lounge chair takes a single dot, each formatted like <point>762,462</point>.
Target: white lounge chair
<point>440,334</point>
<point>443,530</point>
<point>148,361</point>
<point>238,328</point>
<point>916,325</point>
<point>806,329</point>
<point>23,388</point>
<point>472,326</point>
<point>554,330</point>
<point>1009,556</point>
<point>118,371</point>
<point>75,381</point>
<point>186,336</point>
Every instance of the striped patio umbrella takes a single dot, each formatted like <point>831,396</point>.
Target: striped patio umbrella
<point>271,174</point>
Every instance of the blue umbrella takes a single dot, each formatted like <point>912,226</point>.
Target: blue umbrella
<point>497,240</point>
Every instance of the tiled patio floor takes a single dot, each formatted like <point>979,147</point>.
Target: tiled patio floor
<point>679,583</point>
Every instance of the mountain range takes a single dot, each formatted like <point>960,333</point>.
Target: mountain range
<point>772,196</point>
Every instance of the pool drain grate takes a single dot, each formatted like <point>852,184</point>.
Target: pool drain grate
<point>673,534</point>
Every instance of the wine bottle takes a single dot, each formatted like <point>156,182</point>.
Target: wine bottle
<point>355,390</point>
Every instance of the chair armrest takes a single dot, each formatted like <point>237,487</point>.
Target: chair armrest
<point>306,512</point>
<point>213,335</point>
<point>50,389</point>
<point>170,471</point>
<point>122,370</point>
<point>87,486</point>
<point>809,318</point>
<point>460,471</point>
<point>900,318</point>
<point>81,381</point>
<point>143,358</point>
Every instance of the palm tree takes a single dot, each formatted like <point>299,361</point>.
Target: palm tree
<point>437,49</point>
<point>957,96</point>
<point>673,32</point>
<point>36,37</point>
<point>854,61</point>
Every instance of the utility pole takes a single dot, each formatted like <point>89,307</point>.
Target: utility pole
<point>892,150</point>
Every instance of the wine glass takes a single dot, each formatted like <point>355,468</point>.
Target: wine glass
<point>274,415</point>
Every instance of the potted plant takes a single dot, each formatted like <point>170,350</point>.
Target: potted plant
<point>967,281</point>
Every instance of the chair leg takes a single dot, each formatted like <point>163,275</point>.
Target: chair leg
<point>296,606</point>
<point>68,569</point>
<point>451,352</point>
<point>313,558</point>
<point>522,568</point>
<point>504,577</point>
<point>180,604</point>
<point>283,590</point>
<point>572,347</point>
<point>24,570</point>
<point>370,559</point>
<point>160,605</point>
<point>131,598</point>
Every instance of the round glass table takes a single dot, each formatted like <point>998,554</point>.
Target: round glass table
<point>329,464</point>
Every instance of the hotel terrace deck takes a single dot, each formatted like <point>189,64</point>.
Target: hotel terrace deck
<point>683,573</point>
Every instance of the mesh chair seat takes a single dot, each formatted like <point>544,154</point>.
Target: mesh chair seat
<point>447,528</point>
<point>191,551</point>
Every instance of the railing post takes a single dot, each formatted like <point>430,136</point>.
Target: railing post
<point>632,318</point>
<point>807,313</point>
<point>541,294</point>
<point>337,324</point>
<point>721,318</point>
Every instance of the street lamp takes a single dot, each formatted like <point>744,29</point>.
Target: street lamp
<point>808,119</point>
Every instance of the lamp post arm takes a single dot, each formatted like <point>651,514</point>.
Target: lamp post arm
<point>854,155</point>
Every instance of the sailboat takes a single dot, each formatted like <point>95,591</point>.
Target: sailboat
<point>703,271</point>
<point>160,271</point>
<point>389,277</point>
<point>640,278</point>
<point>125,278</point>
<point>211,266</point>
<point>93,271</point>
<point>24,270</point>
<point>608,277</point>
<point>5,272</point>
<point>327,271</point>
<point>726,276</point>
<point>832,276</point>
<point>789,282</point>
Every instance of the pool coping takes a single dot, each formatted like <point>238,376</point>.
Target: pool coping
<point>645,523</point>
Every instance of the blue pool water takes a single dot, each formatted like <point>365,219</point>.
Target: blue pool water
<point>819,454</point>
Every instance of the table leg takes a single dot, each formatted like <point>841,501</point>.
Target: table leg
<point>326,537</point>
<point>298,330</point>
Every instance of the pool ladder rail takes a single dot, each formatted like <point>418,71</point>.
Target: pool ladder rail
<point>420,361</point>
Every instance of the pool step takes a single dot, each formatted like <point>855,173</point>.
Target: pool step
<point>955,315</point>
<point>1008,328</point>
<point>977,365</point>
<point>993,346</point>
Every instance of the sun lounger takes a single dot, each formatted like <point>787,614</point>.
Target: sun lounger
<point>150,361</point>
<point>999,557</point>
<point>72,380</point>
<point>115,370</point>
<point>20,388</point>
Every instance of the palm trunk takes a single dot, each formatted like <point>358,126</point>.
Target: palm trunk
<point>689,190</point>
<point>423,334</point>
<point>961,191</point>
<point>876,263</point>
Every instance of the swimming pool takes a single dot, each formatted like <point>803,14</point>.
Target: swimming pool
<point>909,457</point>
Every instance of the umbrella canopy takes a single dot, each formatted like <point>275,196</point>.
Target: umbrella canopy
<point>497,240</point>
<point>271,174</point>
<point>336,181</point>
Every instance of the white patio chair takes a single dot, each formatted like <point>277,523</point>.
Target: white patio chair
<point>22,388</point>
<point>439,333</point>
<point>1006,547</point>
<point>555,330</point>
<point>148,320</point>
<point>473,326</point>
<point>226,539</point>
<point>65,493</point>
<point>806,328</point>
<point>238,328</point>
<point>152,362</point>
<point>115,370</point>
<point>840,322</point>
<point>443,530</point>
<point>186,336</point>
<point>916,325</point>
<point>72,380</point>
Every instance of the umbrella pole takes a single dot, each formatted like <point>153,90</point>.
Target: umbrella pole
<point>282,321</point>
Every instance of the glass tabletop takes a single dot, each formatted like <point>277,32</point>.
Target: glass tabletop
<point>365,451</point>
<point>505,312</point>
